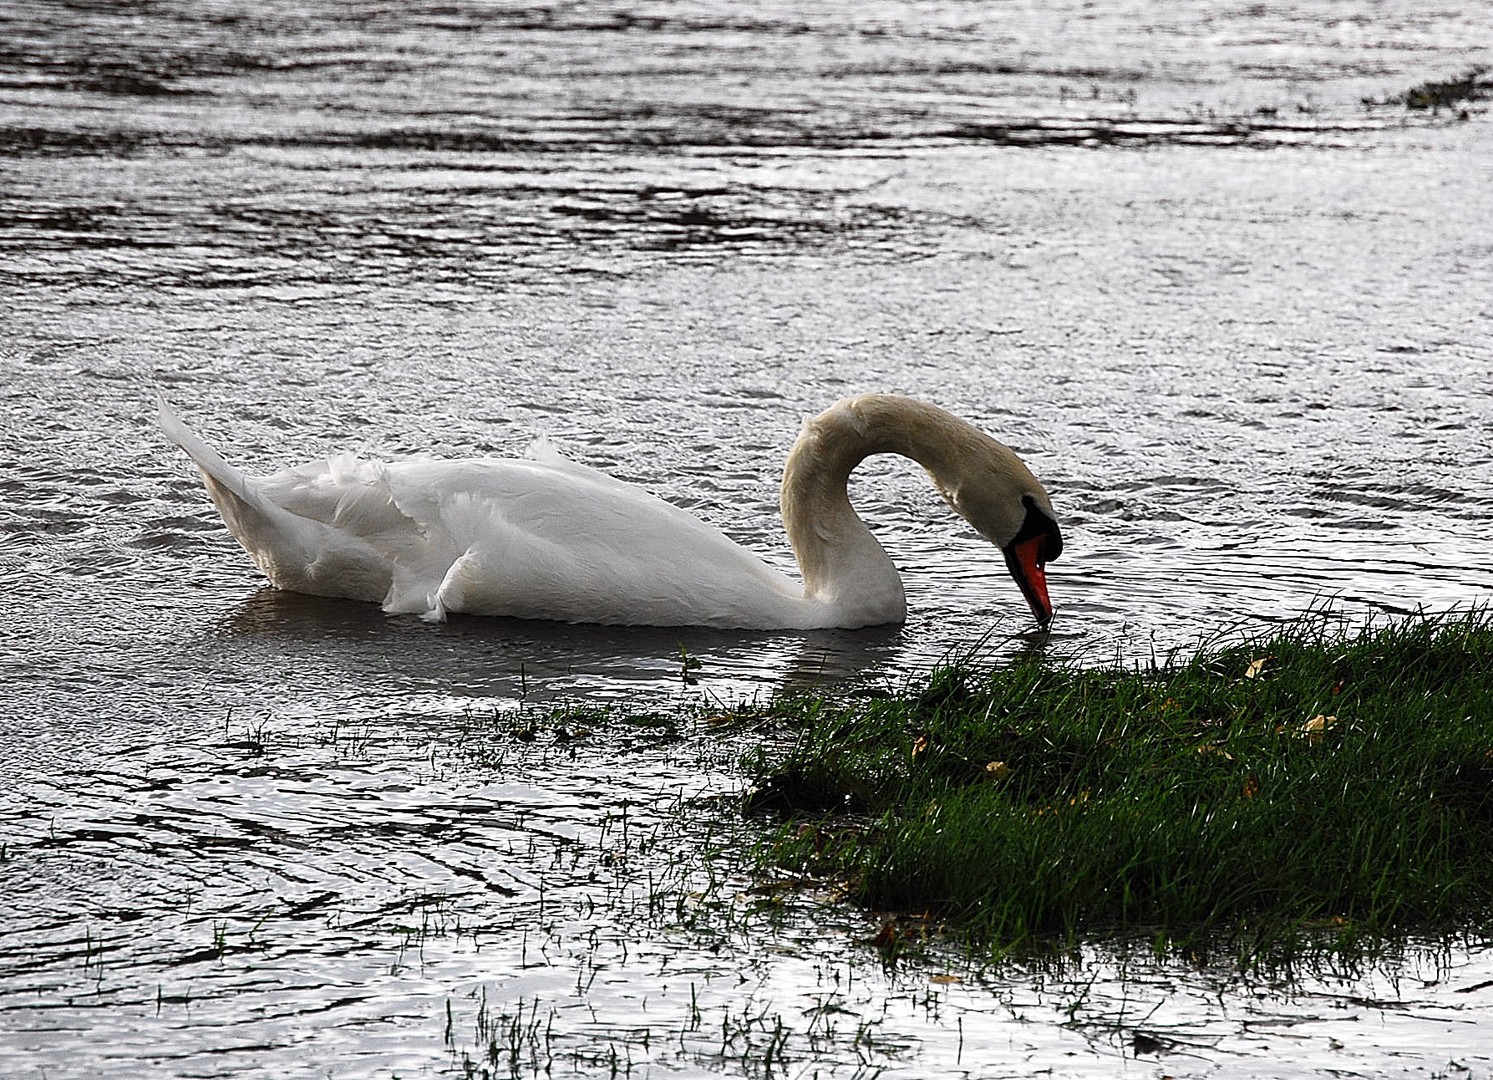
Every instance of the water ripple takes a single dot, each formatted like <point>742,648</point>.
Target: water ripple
<point>1198,263</point>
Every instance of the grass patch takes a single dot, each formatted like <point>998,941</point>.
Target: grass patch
<point>1312,788</point>
<point>1472,85</point>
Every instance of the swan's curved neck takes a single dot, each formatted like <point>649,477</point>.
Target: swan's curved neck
<point>844,568</point>
<point>843,565</point>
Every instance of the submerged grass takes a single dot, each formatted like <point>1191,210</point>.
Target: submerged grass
<point>1311,789</point>
<point>1472,85</point>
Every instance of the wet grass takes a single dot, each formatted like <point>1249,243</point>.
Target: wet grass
<point>1312,790</point>
<point>1473,85</point>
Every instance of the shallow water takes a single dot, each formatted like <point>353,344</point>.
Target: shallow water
<point>1227,297</point>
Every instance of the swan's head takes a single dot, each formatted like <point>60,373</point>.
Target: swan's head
<point>982,479</point>
<point>999,496</point>
<point>1037,543</point>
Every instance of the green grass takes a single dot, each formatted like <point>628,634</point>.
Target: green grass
<point>1311,788</point>
<point>1472,85</point>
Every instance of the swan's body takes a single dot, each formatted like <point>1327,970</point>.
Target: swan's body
<point>547,538</point>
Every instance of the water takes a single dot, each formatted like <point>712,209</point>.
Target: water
<point>1227,297</point>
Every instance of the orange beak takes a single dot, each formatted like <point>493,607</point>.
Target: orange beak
<point>1024,560</point>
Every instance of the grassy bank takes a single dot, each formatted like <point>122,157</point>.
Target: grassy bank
<point>1306,788</point>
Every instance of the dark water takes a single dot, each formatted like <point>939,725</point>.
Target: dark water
<point>1198,262</point>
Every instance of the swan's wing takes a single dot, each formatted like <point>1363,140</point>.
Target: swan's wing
<point>553,539</point>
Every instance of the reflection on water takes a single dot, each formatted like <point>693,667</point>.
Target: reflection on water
<point>1197,263</point>
<point>539,662</point>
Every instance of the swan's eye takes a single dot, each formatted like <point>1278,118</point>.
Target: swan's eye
<point>1039,523</point>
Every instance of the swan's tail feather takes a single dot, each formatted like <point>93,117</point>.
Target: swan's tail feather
<point>241,506</point>
<point>209,462</point>
<point>257,523</point>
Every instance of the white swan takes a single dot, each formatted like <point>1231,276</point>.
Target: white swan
<point>547,538</point>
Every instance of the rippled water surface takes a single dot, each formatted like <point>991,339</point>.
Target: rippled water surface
<point>1198,262</point>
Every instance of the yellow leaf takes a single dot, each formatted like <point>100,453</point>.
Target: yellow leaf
<point>1256,666</point>
<point>1318,726</point>
<point>997,770</point>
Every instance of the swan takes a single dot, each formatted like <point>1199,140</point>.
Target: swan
<point>545,537</point>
